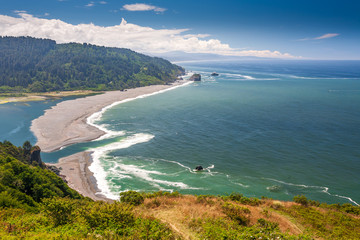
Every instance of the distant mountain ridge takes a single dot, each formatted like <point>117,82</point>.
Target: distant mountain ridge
<point>39,65</point>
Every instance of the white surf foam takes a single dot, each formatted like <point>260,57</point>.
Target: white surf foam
<point>209,169</point>
<point>236,183</point>
<point>339,196</point>
<point>97,168</point>
<point>323,189</point>
<point>240,75</point>
<point>91,120</point>
<point>146,175</point>
<point>181,165</point>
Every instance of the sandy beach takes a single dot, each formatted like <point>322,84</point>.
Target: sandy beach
<point>79,177</point>
<point>66,124</point>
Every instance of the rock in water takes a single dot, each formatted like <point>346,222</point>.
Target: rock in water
<point>199,168</point>
<point>195,77</point>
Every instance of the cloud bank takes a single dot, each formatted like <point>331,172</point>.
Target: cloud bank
<point>142,7</point>
<point>124,35</point>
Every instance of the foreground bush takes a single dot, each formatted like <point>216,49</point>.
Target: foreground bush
<point>131,197</point>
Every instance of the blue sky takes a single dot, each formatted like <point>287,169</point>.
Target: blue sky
<point>310,29</point>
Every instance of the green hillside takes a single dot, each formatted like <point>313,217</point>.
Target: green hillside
<point>40,65</point>
<point>37,204</point>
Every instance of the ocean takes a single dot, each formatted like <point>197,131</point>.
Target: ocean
<point>261,128</point>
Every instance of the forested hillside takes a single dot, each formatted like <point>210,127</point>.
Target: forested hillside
<point>24,179</point>
<point>39,65</point>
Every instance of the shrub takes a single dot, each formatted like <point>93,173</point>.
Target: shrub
<point>236,213</point>
<point>150,228</point>
<point>60,210</point>
<point>132,197</point>
<point>301,200</point>
<point>161,193</point>
<point>7,201</point>
<point>238,197</point>
<point>269,226</point>
<point>101,216</point>
<point>347,207</point>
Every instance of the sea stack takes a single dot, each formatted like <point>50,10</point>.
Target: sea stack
<point>195,77</point>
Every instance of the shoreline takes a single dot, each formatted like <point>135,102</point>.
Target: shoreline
<point>67,122</point>
<point>64,125</point>
<point>75,168</point>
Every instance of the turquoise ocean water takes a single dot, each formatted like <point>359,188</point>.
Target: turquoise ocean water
<point>262,128</point>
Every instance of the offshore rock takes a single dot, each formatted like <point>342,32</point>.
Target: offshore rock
<point>195,77</point>
<point>199,168</point>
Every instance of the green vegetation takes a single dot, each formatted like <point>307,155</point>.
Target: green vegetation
<point>24,181</point>
<point>223,228</point>
<point>40,65</point>
<point>325,223</point>
<point>36,204</point>
<point>237,197</point>
<point>132,197</point>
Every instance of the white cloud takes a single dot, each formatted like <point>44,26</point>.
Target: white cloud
<point>90,4</point>
<point>103,2</point>
<point>196,35</point>
<point>124,35</point>
<point>328,35</point>
<point>142,7</point>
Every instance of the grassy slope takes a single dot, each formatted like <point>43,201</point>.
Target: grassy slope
<point>188,217</point>
<point>294,220</point>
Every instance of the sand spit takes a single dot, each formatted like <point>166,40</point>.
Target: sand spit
<point>66,123</point>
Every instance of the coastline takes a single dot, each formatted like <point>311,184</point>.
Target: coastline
<point>71,122</point>
<point>67,122</point>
